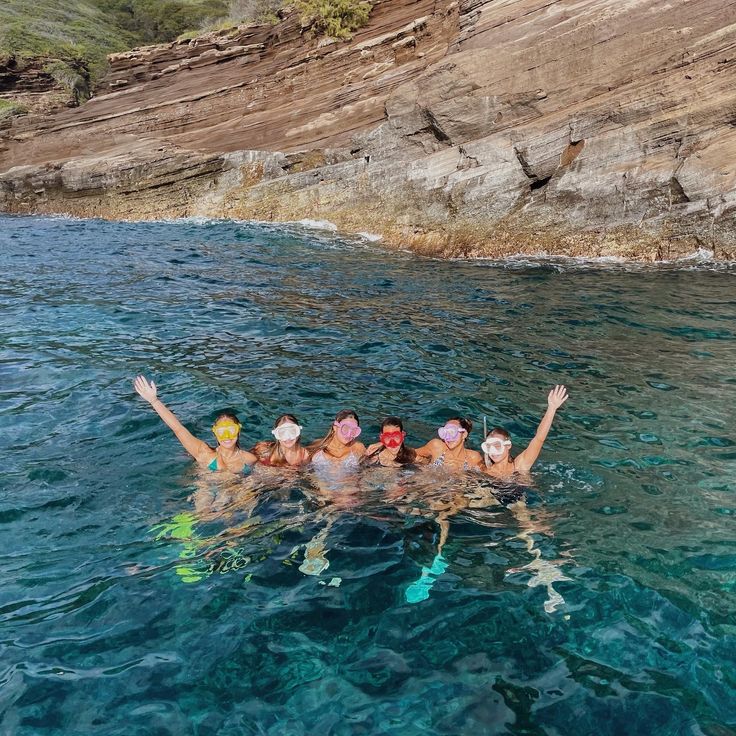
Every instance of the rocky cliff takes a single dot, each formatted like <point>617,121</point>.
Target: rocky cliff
<point>478,127</point>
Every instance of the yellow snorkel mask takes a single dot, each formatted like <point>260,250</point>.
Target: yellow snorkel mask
<point>226,429</point>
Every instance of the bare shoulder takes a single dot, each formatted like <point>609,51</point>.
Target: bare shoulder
<point>474,457</point>
<point>248,457</point>
<point>206,454</point>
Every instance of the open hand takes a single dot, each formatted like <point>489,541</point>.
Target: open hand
<point>145,389</point>
<point>373,448</point>
<point>557,397</point>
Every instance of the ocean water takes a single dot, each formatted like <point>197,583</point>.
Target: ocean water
<point>605,605</point>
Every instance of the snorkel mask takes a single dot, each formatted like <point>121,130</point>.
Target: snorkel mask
<point>495,446</point>
<point>286,431</point>
<point>226,429</point>
<point>450,432</point>
<point>348,429</point>
<point>392,440</point>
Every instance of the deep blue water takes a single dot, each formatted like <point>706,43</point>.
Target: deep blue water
<point>114,619</point>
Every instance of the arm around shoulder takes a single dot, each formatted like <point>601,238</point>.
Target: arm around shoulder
<point>430,450</point>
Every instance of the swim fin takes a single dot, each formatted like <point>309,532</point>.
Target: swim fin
<point>418,591</point>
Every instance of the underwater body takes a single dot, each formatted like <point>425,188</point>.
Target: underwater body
<point>604,605</point>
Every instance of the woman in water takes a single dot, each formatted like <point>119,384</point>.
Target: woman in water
<point>390,451</point>
<point>228,454</point>
<point>285,450</point>
<point>449,450</point>
<point>340,448</point>
<point>336,458</point>
<point>497,446</point>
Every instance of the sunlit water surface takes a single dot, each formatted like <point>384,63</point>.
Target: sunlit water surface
<point>605,607</point>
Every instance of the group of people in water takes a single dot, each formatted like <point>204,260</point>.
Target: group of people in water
<point>341,448</point>
<point>335,460</point>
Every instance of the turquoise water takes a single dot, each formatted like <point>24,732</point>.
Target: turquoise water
<point>607,607</point>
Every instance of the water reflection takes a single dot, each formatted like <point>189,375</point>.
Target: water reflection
<point>238,513</point>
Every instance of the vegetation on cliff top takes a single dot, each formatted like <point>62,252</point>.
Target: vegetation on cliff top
<point>85,31</point>
<point>334,18</point>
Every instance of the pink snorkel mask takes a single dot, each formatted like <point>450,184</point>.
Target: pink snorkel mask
<point>450,432</point>
<point>348,429</point>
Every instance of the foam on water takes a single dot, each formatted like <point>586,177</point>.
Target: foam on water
<point>318,224</point>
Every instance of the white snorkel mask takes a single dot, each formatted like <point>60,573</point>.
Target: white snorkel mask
<point>286,431</point>
<point>494,447</point>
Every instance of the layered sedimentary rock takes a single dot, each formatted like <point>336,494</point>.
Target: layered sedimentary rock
<point>480,127</point>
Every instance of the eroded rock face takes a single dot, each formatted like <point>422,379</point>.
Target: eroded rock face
<point>478,127</point>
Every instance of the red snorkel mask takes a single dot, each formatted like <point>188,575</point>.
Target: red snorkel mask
<point>392,440</point>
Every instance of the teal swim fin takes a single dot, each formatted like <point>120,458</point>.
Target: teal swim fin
<point>418,591</point>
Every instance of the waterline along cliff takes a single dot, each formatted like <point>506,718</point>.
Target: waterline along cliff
<point>478,127</point>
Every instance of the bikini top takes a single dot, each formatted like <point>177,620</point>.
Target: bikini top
<point>320,460</point>
<point>440,461</point>
<point>212,465</point>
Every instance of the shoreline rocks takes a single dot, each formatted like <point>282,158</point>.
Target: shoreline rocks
<point>466,128</point>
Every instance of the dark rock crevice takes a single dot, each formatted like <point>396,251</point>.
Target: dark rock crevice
<point>536,182</point>
<point>677,193</point>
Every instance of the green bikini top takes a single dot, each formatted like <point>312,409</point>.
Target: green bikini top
<point>213,465</point>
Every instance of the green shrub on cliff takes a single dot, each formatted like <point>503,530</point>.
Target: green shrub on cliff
<point>72,77</point>
<point>334,18</point>
<point>254,11</point>
<point>8,109</point>
<point>240,12</point>
<point>158,21</point>
<point>70,31</point>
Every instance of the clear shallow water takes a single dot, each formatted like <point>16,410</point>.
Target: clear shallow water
<point>634,503</point>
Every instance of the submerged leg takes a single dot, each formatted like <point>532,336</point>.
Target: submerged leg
<point>419,590</point>
<point>543,572</point>
<point>315,561</point>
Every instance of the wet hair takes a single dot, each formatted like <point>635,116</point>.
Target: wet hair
<point>233,417</point>
<point>269,452</point>
<point>405,455</point>
<point>321,444</point>
<point>392,421</point>
<point>499,431</point>
<point>466,424</point>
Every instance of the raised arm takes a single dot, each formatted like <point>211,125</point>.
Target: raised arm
<point>199,450</point>
<point>524,461</point>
